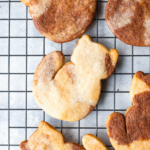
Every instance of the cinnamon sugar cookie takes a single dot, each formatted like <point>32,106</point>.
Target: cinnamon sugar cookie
<point>48,138</point>
<point>129,20</point>
<point>71,91</point>
<point>132,131</point>
<point>61,20</point>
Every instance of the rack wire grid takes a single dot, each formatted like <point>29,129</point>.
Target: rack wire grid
<point>21,50</point>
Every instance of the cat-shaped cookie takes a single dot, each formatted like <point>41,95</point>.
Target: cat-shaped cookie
<point>132,131</point>
<point>48,138</point>
<point>71,91</point>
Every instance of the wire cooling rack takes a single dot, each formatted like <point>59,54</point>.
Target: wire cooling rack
<point>22,48</point>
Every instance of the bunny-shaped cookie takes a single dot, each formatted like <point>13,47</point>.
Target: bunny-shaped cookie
<point>132,132</point>
<point>71,91</point>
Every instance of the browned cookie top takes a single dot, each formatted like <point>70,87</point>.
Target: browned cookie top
<point>110,68</point>
<point>129,20</point>
<point>61,20</point>
<point>136,124</point>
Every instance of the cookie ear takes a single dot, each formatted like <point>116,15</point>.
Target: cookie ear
<point>113,53</point>
<point>91,142</point>
<point>26,2</point>
<point>110,62</point>
<point>140,84</point>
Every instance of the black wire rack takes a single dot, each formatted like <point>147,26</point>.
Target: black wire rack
<point>5,112</point>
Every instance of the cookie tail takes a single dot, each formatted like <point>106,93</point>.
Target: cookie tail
<point>140,84</point>
<point>24,145</point>
<point>48,67</point>
<point>90,142</point>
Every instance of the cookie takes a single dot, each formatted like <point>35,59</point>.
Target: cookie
<point>71,91</point>
<point>46,137</point>
<point>132,131</point>
<point>61,20</point>
<point>129,20</point>
<point>91,142</point>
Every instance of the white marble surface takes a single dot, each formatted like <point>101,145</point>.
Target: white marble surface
<point>19,99</point>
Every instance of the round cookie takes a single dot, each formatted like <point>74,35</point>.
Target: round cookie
<point>71,91</point>
<point>46,137</point>
<point>132,131</point>
<point>129,20</point>
<point>61,20</point>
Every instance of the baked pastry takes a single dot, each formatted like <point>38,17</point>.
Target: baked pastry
<point>48,138</point>
<point>129,20</point>
<point>132,131</point>
<point>71,91</point>
<point>91,142</point>
<point>61,20</point>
